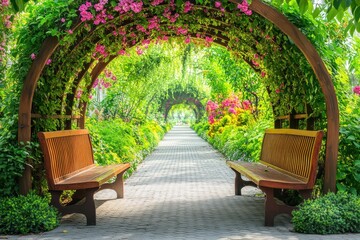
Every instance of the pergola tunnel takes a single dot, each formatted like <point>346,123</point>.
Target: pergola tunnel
<point>100,32</point>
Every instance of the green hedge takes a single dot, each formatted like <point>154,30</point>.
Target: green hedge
<point>116,141</point>
<point>330,214</point>
<point>27,214</point>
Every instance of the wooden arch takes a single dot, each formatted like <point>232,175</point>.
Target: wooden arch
<point>50,45</point>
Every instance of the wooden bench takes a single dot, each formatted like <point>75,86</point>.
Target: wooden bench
<point>69,165</point>
<point>288,161</point>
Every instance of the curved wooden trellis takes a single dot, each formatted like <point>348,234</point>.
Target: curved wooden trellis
<point>51,44</point>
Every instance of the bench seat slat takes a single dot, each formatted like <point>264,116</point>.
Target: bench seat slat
<point>92,177</point>
<point>264,176</point>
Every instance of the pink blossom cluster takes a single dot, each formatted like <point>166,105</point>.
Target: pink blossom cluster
<point>212,110</point>
<point>125,6</point>
<point>78,93</point>
<point>187,7</point>
<point>231,105</point>
<point>84,13</point>
<point>100,49</point>
<point>5,3</point>
<point>219,6</point>
<point>109,75</point>
<point>278,90</point>
<point>7,21</point>
<point>101,83</point>
<point>101,14</point>
<point>181,31</point>
<point>356,90</point>
<point>167,12</point>
<point>154,23</point>
<point>244,7</point>
<point>156,2</point>
<point>246,104</point>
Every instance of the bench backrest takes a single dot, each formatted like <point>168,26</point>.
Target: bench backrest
<point>292,151</point>
<point>65,152</point>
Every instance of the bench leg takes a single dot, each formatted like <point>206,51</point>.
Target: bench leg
<point>306,194</point>
<point>240,183</point>
<point>117,186</point>
<point>87,208</point>
<point>272,208</point>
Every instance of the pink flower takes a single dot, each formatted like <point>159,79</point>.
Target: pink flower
<point>48,62</point>
<point>232,110</point>
<point>139,51</point>
<point>33,56</point>
<point>263,74</point>
<point>8,23</point>
<point>182,31</point>
<point>277,91</point>
<point>70,31</point>
<point>122,52</point>
<point>101,50</point>
<point>187,40</point>
<point>217,4</point>
<point>62,20</point>
<point>356,90</point>
<point>146,42</point>
<point>187,7</point>
<point>136,7</point>
<point>156,2</point>
<point>5,3</point>
<point>209,39</point>
<point>256,64</point>
<point>96,82</point>
<point>79,93</point>
<point>246,104</point>
<point>140,28</point>
<point>244,7</point>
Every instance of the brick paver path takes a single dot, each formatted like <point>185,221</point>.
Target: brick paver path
<point>183,190</point>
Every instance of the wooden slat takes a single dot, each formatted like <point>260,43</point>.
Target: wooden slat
<point>36,115</point>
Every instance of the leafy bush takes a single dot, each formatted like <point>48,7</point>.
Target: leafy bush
<point>116,141</point>
<point>348,171</point>
<point>27,214</point>
<point>329,214</point>
<point>12,163</point>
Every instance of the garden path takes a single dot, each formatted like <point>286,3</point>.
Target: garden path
<point>183,190</point>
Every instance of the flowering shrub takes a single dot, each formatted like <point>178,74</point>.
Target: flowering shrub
<point>231,111</point>
<point>231,105</point>
<point>356,90</point>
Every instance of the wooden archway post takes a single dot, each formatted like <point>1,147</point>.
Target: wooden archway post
<point>26,99</point>
<point>323,76</point>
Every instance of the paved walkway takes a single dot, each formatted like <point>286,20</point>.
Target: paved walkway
<point>184,190</point>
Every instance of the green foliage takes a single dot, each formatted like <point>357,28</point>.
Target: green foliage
<point>347,12</point>
<point>348,172</point>
<point>329,214</point>
<point>27,214</point>
<point>12,163</point>
<point>116,141</point>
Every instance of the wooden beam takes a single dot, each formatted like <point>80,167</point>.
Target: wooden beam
<point>27,94</point>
